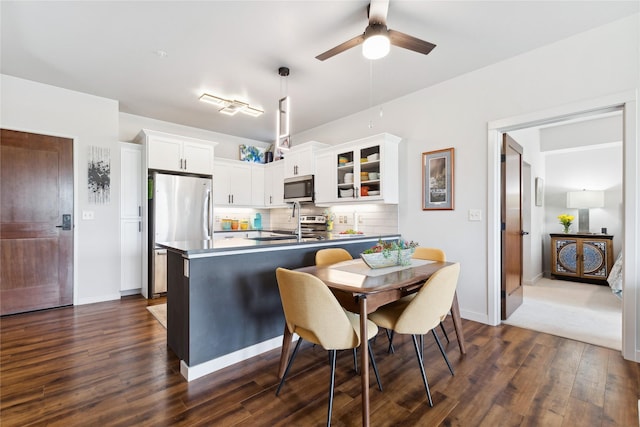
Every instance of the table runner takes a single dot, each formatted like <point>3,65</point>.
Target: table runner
<point>358,266</point>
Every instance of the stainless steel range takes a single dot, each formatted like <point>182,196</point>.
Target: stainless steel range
<point>313,225</point>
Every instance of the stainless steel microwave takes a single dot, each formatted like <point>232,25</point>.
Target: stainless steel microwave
<point>299,189</point>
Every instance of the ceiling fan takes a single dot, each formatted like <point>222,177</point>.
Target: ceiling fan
<point>377,37</point>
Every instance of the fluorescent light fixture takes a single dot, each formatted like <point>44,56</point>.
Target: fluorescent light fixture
<point>231,107</point>
<point>376,42</point>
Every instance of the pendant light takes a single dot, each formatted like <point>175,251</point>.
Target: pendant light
<point>283,140</point>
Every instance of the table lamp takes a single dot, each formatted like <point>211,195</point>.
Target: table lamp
<point>583,201</point>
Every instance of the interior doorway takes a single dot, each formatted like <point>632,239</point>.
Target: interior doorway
<point>624,102</point>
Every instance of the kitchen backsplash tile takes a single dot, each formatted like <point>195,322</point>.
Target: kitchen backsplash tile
<point>373,219</point>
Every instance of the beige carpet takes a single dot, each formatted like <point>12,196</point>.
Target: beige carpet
<point>583,312</point>
<point>159,311</point>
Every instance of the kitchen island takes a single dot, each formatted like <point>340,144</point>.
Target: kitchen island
<point>223,304</point>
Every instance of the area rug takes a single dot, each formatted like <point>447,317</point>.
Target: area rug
<point>159,311</point>
<point>583,312</point>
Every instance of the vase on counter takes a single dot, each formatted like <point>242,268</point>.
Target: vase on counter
<point>566,229</point>
<point>329,225</point>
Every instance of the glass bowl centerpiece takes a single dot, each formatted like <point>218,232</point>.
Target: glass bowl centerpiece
<point>387,253</point>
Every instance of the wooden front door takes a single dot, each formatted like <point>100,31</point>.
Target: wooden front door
<point>511,215</point>
<point>36,223</point>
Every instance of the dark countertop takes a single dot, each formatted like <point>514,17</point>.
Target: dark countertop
<point>210,247</point>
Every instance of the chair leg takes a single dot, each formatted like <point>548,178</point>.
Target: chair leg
<point>390,337</point>
<point>446,359</point>
<point>286,371</point>
<point>421,363</point>
<point>375,367</point>
<point>332,358</point>
<point>444,331</point>
<point>355,360</point>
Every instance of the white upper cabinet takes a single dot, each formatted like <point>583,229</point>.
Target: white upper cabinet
<point>274,185</point>
<point>177,153</point>
<point>363,171</point>
<point>300,159</point>
<point>232,183</point>
<point>325,181</point>
<point>257,185</point>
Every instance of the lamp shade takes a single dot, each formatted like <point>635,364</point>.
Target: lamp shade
<point>585,199</point>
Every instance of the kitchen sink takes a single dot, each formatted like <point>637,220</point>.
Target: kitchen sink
<point>269,238</point>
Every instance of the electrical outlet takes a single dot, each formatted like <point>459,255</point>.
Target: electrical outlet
<point>217,219</point>
<point>87,215</point>
<point>475,215</point>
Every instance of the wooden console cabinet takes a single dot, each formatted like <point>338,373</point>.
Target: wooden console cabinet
<point>586,257</point>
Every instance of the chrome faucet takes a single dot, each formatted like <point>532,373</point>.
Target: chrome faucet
<point>298,230</point>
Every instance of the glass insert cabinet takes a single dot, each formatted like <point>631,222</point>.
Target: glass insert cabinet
<point>587,257</point>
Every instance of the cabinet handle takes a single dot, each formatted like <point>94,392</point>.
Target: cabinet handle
<point>232,198</point>
<point>139,226</point>
<point>270,200</point>
<point>185,164</point>
<point>139,210</point>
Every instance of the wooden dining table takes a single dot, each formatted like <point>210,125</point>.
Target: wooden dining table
<point>363,290</point>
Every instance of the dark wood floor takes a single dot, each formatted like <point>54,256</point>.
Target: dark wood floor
<point>107,364</point>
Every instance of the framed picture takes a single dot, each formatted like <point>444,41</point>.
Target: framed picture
<point>249,153</point>
<point>437,180</point>
<point>539,191</point>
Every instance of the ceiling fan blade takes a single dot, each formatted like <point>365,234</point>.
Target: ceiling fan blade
<point>341,47</point>
<point>409,42</point>
<point>378,10</point>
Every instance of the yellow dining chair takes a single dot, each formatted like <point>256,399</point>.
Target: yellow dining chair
<point>431,254</point>
<point>314,313</point>
<point>331,256</point>
<point>422,313</point>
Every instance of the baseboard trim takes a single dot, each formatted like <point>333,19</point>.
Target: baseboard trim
<point>191,373</point>
<point>101,298</point>
<point>476,317</point>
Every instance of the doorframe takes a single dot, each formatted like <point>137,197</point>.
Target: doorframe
<point>627,103</point>
<point>75,163</point>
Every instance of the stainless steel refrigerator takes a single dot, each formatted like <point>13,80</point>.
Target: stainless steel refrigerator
<point>180,209</point>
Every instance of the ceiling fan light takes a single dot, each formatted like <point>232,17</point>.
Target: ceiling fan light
<point>376,46</point>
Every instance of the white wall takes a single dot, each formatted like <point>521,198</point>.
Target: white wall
<point>90,121</point>
<point>456,113</point>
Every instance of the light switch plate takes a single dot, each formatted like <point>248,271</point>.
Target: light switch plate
<point>475,215</point>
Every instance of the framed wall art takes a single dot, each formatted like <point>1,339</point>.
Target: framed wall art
<point>249,153</point>
<point>437,180</point>
<point>539,191</point>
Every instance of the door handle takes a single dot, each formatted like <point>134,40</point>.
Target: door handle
<point>524,233</point>
<point>66,222</point>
